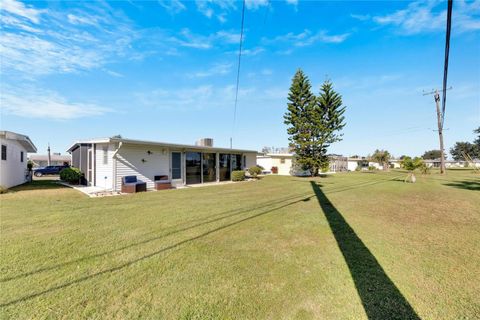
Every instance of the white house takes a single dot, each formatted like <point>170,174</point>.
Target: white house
<point>105,161</point>
<point>13,163</point>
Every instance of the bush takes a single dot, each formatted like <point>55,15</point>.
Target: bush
<point>371,168</point>
<point>254,171</point>
<point>274,169</point>
<point>238,175</point>
<point>3,190</point>
<point>71,175</point>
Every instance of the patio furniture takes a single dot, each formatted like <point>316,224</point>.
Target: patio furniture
<point>162,182</point>
<point>130,184</point>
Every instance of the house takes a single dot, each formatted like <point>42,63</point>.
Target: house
<point>13,163</point>
<point>285,164</point>
<point>56,159</point>
<point>282,161</point>
<point>106,161</point>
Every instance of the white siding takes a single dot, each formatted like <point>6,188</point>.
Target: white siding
<point>250,159</point>
<point>104,171</point>
<point>129,163</point>
<point>265,162</point>
<point>12,171</point>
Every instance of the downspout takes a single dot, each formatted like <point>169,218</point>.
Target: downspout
<point>114,165</point>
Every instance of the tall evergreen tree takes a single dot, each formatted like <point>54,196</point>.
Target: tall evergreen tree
<point>313,122</point>
<point>300,105</point>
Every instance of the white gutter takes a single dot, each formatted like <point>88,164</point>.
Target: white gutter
<point>114,165</point>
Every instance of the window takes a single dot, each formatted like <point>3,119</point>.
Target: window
<point>105,155</point>
<point>21,156</point>
<point>282,160</point>
<point>4,152</point>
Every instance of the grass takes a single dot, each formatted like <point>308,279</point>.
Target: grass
<point>351,246</point>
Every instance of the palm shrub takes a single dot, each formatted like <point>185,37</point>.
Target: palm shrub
<point>254,171</point>
<point>411,165</point>
<point>71,175</point>
<point>238,175</point>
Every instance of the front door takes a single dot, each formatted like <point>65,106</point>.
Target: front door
<point>89,167</point>
<point>176,171</point>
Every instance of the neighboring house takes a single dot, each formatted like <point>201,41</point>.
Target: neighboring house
<point>13,163</point>
<point>282,161</point>
<point>105,161</point>
<point>56,159</point>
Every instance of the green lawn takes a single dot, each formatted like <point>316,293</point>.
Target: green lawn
<point>350,246</point>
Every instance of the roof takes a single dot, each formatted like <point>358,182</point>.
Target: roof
<point>22,139</point>
<point>53,157</point>
<point>156,143</point>
<point>283,155</point>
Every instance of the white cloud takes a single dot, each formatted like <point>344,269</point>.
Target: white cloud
<point>215,8</point>
<point>293,3</point>
<point>307,38</point>
<point>172,6</point>
<point>217,69</point>
<point>252,52</point>
<point>61,42</point>
<point>30,102</point>
<point>188,98</point>
<point>430,16</point>
<point>191,40</point>
<point>255,4</point>
<point>19,9</point>
<point>361,17</point>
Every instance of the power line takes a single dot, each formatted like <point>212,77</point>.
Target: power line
<point>238,73</point>
<point>447,51</point>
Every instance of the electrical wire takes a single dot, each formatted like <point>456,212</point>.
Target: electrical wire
<point>447,50</point>
<point>238,73</point>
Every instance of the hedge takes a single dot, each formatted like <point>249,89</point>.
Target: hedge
<point>238,175</point>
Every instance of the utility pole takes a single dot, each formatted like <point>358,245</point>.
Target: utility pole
<point>49,159</point>
<point>440,132</point>
<point>440,118</point>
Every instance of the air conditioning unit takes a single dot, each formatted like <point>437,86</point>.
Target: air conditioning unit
<point>204,142</point>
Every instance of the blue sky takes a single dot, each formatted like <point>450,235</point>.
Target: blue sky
<point>166,70</point>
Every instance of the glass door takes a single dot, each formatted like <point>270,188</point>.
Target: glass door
<point>193,167</point>
<point>209,167</point>
<point>176,168</point>
<point>225,165</point>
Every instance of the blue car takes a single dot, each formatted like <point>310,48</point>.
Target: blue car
<point>38,172</point>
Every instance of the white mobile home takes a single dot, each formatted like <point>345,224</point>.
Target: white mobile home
<point>106,161</point>
<point>13,163</point>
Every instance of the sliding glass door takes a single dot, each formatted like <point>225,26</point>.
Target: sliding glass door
<point>193,167</point>
<point>209,167</point>
<point>236,162</point>
<point>225,166</point>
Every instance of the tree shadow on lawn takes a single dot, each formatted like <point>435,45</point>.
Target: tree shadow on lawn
<point>473,185</point>
<point>185,226</point>
<point>223,215</point>
<point>181,227</point>
<point>380,297</point>
<point>150,255</point>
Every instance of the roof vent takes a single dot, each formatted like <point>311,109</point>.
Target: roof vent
<point>204,142</point>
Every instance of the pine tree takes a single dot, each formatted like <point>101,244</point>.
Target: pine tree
<point>313,122</point>
<point>301,102</point>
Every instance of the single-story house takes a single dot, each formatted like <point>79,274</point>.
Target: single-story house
<point>106,161</point>
<point>13,163</point>
<point>56,159</point>
<point>285,164</point>
<point>282,161</point>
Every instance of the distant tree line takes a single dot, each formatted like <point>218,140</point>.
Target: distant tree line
<point>471,149</point>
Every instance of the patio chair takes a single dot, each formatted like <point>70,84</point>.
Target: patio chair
<point>162,182</point>
<point>130,184</point>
